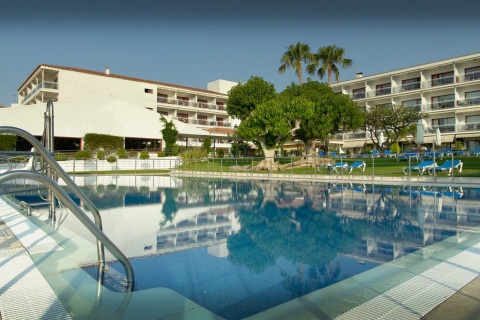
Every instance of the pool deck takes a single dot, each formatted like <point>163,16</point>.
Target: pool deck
<point>19,276</point>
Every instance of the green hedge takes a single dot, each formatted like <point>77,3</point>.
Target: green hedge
<point>83,155</point>
<point>95,141</point>
<point>8,142</point>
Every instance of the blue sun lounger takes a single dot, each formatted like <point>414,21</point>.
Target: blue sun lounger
<point>339,165</point>
<point>356,165</point>
<point>421,167</point>
<point>448,165</point>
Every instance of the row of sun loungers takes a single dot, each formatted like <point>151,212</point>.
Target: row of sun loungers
<point>429,166</point>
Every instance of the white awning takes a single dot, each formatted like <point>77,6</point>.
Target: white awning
<point>445,138</point>
<point>469,135</point>
<point>353,144</point>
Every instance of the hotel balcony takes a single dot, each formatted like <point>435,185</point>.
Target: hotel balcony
<point>45,85</point>
<point>432,83</point>
<point>192,104</point>
<point>203,122</point>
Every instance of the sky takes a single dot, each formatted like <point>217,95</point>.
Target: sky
<point>193,42</point>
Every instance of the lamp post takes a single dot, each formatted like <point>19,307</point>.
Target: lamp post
<point>235,128</point>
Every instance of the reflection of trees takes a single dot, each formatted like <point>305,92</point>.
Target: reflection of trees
<point>169,207</point>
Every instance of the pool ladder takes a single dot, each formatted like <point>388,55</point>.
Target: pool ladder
<point>53,169</point>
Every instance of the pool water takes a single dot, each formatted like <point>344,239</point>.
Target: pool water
<point>238,248</point>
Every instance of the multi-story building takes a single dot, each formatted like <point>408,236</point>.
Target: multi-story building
<point>205,109</point>
<point>447,90</point>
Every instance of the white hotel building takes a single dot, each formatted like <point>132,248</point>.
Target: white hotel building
<point>447,90</point>
<point>204,109</point>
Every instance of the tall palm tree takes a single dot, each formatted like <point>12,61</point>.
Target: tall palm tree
<point>294,56</point>
<point>328,59</point>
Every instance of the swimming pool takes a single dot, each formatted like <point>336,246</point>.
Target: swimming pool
<point>242,248</point>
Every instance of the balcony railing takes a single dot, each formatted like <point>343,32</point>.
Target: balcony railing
<point>204,122</point>
<point>468,102</point>
<point>469,126</point>
<point>200,105</point>
<point>441,81</point>
<point>443,128</point>
<point>41,85</point>
<point>439,105</point>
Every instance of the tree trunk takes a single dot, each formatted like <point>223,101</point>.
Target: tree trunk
<point>310,148</point>
<point>269,162</point>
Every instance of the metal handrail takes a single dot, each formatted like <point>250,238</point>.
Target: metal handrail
<point>47,157</point>
<point>84,219</point>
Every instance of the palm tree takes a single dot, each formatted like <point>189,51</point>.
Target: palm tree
<point>329,58</point>
<point>294,56</point>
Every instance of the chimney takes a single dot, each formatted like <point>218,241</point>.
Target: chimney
<point>107,70</point>
<point>359,75</point>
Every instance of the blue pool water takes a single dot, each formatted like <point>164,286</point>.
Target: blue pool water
<point>239,248</point>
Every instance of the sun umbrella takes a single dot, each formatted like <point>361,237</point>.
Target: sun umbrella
<point>419,136</point>
<point>438,138</point>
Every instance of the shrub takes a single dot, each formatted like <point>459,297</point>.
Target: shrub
<point>395,148</point>
<point>122,154</point>
<point>160,154</point>
<point>101,155</point>
<point>111,159</point>
<point>95,141</point>
<point>8,142</point>
<point>220,154</point>
<point>458,146</point>
<point>83,155</point>
<point>144,155</point>
<point>193,155</point>
<point>132,154</point>
<point>60,157</point>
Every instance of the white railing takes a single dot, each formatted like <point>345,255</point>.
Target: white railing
<point>44,84</point>
<point>193,104</point>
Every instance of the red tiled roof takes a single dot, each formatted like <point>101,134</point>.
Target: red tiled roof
<point>117,76</point>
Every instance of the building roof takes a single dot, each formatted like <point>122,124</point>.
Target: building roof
<point>117,76</point>
<point>103,115</point>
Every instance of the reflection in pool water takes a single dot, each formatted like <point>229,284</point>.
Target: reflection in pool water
<point>238,248</point>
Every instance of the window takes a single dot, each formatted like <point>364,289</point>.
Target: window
<point>358,93</point>
<point>472,123</point>
<point>162,98</point>
<point>472,98</point>
<point>148,90</point>
<point>202,103</point>
<point>182,101</point>
<point>443,102</point>
<point>445,124</point>
<point>411,84</point>
<point>219,122</point>
<point>220,106</point>
<point>183,117</point>
<point>383,89</point>
<point>202,120</point>
<point>471,119</point>
<point>440,79</point>
<point>415,103</point>
<point>163,113</point>
<point>472,73</point>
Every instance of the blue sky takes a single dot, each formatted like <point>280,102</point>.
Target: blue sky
<point>192,42</point>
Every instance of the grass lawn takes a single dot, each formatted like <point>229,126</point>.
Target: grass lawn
<point>378,166</point>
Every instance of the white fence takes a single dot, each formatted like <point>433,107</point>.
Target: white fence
<point>96,165</point>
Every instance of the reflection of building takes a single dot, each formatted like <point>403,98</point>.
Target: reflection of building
<point>447,90</point>
<point>197,227</point>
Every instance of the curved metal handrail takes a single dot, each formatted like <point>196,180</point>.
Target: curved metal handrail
<point>84,219</point>
<point>66,178</point>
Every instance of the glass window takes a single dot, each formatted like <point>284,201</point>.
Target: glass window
<point>183,117</point>
<point>415,103</point>
<point>411,84</point>
<point>445,124</point>
<point>358,93</point>
<point>472,73</point>
<point>440,79</point>
<point>383,89</point>
<point>162,98</point>
<point>443,102</point>
<point>202,120</point>
<point>471,119</point>
<point>202,103</point>
<point>472,98</point>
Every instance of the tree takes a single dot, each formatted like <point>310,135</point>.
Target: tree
<point>396,121</point>
<point>169,133</point>
<point>328,59</point>
<point>294,56</point>
<point>331,113</point>
<point>273,122</point>
<point>245,97</point>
